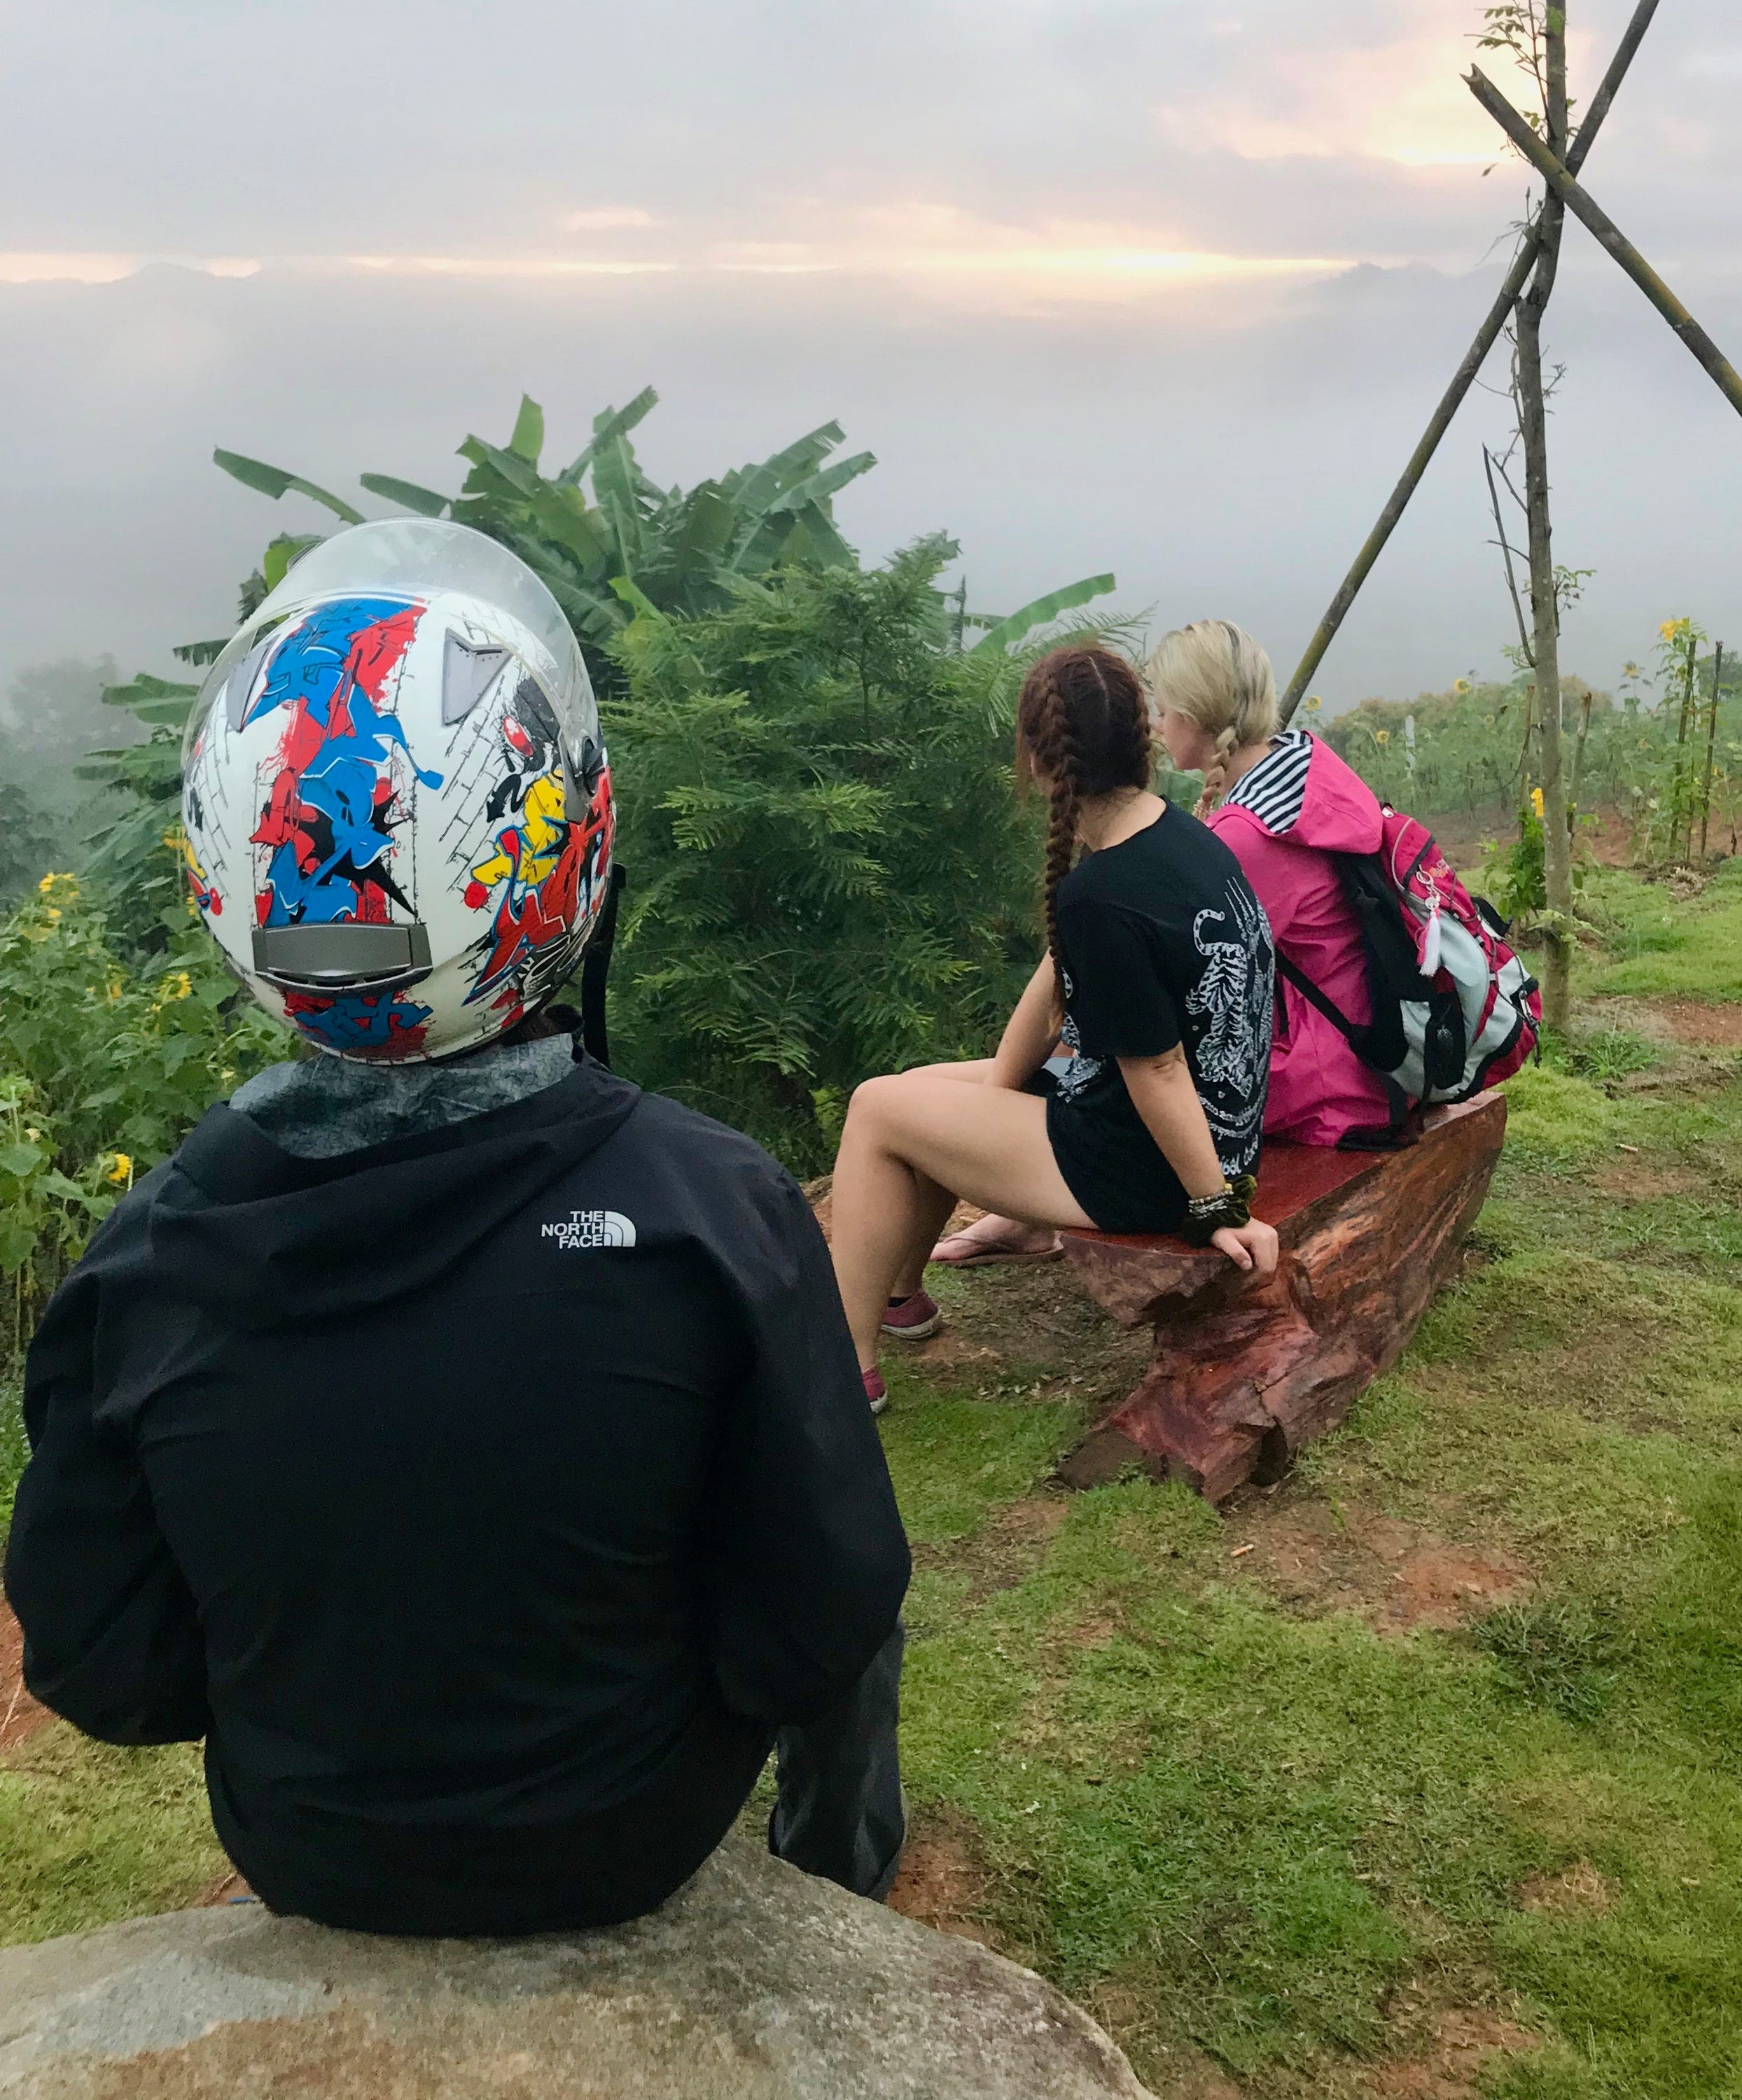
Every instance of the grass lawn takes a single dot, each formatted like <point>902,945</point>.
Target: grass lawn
<point>1420,1775</point>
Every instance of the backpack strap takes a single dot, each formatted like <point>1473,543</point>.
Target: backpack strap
<point>595,967</point>
<point>1392,1136</point>
<point>1314,997</point>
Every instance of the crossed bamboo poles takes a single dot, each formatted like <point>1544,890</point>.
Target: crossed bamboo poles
<point>1561,177</point>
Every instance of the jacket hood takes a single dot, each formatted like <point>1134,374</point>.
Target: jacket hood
<point>1304,792</point>
<point>263,1238</point>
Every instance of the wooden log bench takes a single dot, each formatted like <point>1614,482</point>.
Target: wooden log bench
<point>1244,1372</point>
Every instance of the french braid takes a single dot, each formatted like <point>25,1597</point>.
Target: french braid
<point>1216,773</point>
<point>1083,729</point>
<point>1215,673</point>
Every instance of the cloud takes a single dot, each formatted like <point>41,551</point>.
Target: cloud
<point>608,218</point>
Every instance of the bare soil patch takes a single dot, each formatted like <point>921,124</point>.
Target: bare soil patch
<point>226,1889</point>
<point>1707,1025</point>
<point>1009,1546</point>
<point>1633,1183</point>
<point>1462,2041</point>
<point>20,1714</point>
<point>941,1882</point>
<point>1317,1559</point>
<point>1577,1890</point>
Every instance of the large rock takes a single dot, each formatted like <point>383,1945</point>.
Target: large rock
<point>754,1982</point>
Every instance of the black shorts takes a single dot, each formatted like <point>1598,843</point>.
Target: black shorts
<point>1110,1163</point>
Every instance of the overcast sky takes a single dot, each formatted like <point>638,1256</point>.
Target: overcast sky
<point>1163,286</point>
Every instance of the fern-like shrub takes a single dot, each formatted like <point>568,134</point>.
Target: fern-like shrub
<point>829,875</point>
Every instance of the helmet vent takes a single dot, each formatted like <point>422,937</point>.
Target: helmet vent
<point>467,670</point>
<point>239,685</point>
<point>338,957</point>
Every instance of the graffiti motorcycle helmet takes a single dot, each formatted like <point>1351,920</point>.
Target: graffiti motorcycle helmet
<point>397,804</point>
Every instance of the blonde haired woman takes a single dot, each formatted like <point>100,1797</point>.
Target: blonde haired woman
<point>1286,804</point>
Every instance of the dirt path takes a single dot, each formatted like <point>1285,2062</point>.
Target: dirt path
<point>20,1714</point>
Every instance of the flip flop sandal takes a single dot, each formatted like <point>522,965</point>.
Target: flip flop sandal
<point>983,1253</point>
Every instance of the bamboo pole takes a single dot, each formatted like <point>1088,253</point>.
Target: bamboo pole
<point>1584,208</point>
<point>1531,393</point>
<point>1474,358</point>
<point>1705,806</point>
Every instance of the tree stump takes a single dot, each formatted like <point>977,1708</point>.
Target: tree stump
<point>1243,1373</point>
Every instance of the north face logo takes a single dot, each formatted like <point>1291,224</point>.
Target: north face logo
<point>591,1229</point>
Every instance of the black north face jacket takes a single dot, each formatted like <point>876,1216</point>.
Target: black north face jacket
<point>485,1499</point>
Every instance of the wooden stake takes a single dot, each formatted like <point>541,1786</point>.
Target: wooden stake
<point>1705,806</point>
<point>1585,207</point>
<point>1474,358</point>
<point>1683,801</point>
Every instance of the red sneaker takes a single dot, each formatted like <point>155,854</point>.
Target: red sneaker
<point>877,1393</point>
<point>911,1319</point>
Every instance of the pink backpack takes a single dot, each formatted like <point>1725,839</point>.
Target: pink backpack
<point>1454,1010</point>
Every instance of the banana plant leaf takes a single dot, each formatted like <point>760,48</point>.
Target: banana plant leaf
<point>528,437</point>
<point>754,488</point>
<point>153,700</point>
<point>407,494</point>
<point>609,423</point>
<point>274,481</point>
<point>508,467</point>
<point>817,488</point>
<point>1002,633</point>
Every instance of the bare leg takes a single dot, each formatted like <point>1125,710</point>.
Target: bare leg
<point>912,1274</point>
<point>911,1140</point>
<point>931,1214</point>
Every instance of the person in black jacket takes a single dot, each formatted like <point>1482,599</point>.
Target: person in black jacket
<point>472,1451</point>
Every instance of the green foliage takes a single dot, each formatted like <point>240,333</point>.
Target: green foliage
<point>1470,748</point>
<point>103,1065</point>
<point>29,836</point>
<point>1555,1118</point>
<point>13,1449</point>
<point>829,878</point>
<point>142,881</point>
<point>90,1834</point>
<point>682,550</point>
<point>1563,1655</point>
<point>50,716</point>
<point>1661,943</point>
<point>1513,876</point>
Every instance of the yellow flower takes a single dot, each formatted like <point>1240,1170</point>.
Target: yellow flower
<point>46,884</point>
<point>1314,704</point>
<point>53,914</point>
<point>1461,685</point>
<point>122,1169</point>
<point>32,1135</point>
<point>1671,629</point>
<point>1535,802</point>
<point>114,988</point>
<point>1487,722</point>
<point>1381,736</point>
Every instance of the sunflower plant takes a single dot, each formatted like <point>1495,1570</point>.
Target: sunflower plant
<point>104,1065</point>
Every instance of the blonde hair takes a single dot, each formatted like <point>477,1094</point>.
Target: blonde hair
<point>1216,673</point>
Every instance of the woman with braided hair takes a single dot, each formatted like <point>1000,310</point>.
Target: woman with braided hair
<point>1156,985</point>
<point>1286,805</point>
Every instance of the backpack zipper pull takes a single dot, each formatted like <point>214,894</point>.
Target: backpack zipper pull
<point>1431,943</point>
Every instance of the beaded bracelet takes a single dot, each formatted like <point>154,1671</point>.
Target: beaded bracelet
<point>1207,1215</point>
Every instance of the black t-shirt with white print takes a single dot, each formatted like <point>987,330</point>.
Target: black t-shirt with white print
<point>1161,942</point>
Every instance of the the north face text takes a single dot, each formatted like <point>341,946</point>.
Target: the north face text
<point>591,1229</point>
